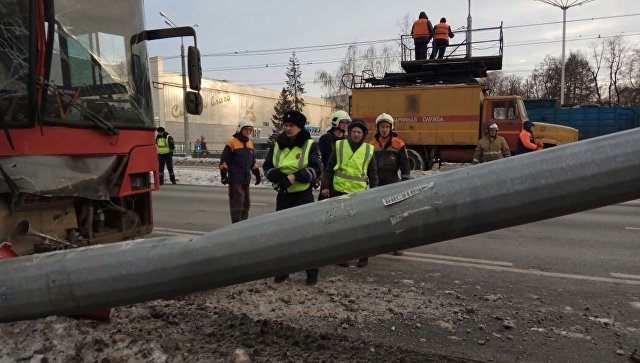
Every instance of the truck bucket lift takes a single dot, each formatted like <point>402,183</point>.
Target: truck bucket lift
<point>457,66</point>
<point>490,196</point>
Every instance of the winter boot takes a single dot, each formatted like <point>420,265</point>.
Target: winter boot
<point>363,262</point>
<point>280,279</point>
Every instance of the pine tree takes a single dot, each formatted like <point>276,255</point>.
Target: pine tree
<point>294,84</point>
<point>283,105</point>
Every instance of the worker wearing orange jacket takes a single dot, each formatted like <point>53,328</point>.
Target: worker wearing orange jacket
<point>421,32</point>
<point>441,34</point>
<point>526,142</point>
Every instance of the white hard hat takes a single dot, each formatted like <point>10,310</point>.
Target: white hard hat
<point>242,124</point>
<point>338,116</point>
<point>493,126</point>
<point>384,117</point>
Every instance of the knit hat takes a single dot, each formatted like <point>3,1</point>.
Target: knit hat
<point>359,124</point>
<point>422,15</point>
<point>160,129</point>
<point>294,117</point>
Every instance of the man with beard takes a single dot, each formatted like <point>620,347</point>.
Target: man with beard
<point>292,165</point>
<point>351,167</point>
<point>237,163</point>
<point>339,121</point>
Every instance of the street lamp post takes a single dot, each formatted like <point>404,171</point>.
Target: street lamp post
<point>469,32</point>
<point>187,146</point>
<point>564,5</point>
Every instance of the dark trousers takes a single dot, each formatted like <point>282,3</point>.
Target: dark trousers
<point>239,202</point>
<point>166,159</point>
<point>290,200</point>
<point>439,47</point>
<point>421,48</point>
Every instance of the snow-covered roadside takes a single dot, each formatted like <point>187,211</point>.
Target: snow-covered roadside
<point>204,171</point>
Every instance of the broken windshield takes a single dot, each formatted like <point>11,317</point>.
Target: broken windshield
<point>14,62</point>
<point>94,73</point>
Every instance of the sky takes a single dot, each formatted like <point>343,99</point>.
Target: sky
<point>242,27</point>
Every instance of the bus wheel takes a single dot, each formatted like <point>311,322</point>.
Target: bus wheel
<point>416,162</point>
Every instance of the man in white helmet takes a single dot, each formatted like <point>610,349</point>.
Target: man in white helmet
<point>390,154</point>
<point>339,122</point>
<point>491,146</point>
<point>237,163</point>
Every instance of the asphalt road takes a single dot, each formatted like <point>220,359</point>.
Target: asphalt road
<point>555,278</point>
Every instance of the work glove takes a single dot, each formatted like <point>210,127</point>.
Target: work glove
<point>284,184</point>
<point>256,173</point>
<point>276,175</point>
<point>224,177</point>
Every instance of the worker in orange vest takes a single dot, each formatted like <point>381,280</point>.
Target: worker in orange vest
<point>441,34</point>
<point>421,31</point>
<point>526,142</point>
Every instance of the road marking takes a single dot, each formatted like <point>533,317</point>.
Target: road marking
<point>458,261</point>
<point>463,259</point>
<point>633,228</point>
<point>259,204</point>
<point>517,270</point>
<point>625,276</point>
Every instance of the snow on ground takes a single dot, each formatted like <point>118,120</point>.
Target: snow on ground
<point>204,171</point>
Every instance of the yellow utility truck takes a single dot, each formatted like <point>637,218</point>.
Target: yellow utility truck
<point>443,122</point>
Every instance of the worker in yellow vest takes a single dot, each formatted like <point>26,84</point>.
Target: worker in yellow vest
<point>292,165</point>
<point>165,148</point>
<point>441,34</point>
<point>351,167</point>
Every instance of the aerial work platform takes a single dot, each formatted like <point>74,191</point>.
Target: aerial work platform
<point>465,60</point>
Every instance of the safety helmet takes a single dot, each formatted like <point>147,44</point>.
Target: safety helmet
<point>339,116</point>
<point>242,124</point>
<point>492,126</point>
<point>384,117</point>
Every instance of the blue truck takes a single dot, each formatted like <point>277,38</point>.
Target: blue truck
<point>591,120</point>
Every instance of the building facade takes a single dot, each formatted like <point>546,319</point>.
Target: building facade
<point>225,104</point>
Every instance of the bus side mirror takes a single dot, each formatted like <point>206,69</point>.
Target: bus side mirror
<point>193,103</point>
<point>195,68</point>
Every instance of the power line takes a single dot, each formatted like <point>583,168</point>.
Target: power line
<point>308,63</point>
<point>333,46</point>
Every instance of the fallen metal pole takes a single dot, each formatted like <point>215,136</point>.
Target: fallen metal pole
<point>512,191</point>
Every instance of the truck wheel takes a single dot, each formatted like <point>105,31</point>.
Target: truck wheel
<point>416,162</point>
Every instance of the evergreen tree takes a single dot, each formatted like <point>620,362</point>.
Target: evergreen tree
<point>294,84</point>
<point>283,105</point>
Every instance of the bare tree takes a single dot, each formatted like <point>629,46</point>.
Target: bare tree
<point>499,84</point>
<point>597,56</point>
<point>630,94</point>
<point>546,78</point>
<point>615,56</point>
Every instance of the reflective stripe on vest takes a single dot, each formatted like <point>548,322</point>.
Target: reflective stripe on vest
<point>162,145</point>
<point>441,31</point>
<point>351,167</point>
<point>289,161</point>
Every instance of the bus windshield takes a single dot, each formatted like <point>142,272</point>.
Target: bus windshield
<point>94,72</point>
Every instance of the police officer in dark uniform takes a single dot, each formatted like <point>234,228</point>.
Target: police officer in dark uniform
<point>165,148</point>
<point>292,165</point>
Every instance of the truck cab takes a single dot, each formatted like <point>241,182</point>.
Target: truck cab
<point>509,112</point>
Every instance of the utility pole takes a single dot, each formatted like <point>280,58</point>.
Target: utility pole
<point>469,32</point>
<point>187,146</point>
<point>564,5</point>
